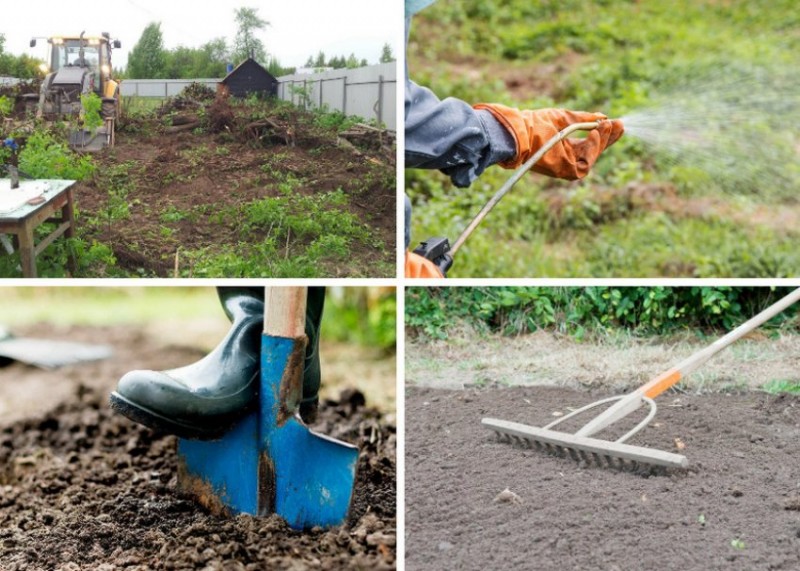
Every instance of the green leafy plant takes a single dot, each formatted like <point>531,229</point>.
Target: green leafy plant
<point>512,310</point>
<point>303,94</point>
<point>92,106</point>
<point>6,106</point>
<point>46,157</point>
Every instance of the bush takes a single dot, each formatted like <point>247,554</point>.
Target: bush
<point>430,312</point>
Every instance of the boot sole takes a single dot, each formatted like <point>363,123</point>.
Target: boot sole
<point>219,424</point>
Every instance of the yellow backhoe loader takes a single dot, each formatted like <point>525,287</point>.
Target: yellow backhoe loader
<point>79,65</point>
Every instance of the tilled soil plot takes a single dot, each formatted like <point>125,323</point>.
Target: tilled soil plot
<point>737,507</point>
<point>83,488</point>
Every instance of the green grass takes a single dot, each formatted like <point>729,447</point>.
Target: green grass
<point>614,57</point>
<point>777,386</point>
<point>291,235</point>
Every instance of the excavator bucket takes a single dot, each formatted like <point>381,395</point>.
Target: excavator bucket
<point>83,140</point>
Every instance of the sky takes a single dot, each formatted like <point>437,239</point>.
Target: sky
<point>298,28</point>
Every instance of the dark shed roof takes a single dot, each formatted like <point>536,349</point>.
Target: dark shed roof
<point>250,77</point>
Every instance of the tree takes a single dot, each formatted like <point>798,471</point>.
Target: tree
<point>209,60</point>
<point>246,44</point>
<point>320,61</point>
<point>148,59</point>
<point>352,61</point>
<point>386,54</point>
<point>277,70</point>
<point>21,67</point>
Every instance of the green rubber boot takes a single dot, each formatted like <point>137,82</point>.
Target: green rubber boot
<point>311,374</point>
<point>203,400</point>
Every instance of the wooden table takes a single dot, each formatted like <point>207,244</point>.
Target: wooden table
<point>23,221</point>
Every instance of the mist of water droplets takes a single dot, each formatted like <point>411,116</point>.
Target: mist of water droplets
<point>741,129</point>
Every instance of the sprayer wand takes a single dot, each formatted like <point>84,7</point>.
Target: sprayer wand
<point>439,251</point>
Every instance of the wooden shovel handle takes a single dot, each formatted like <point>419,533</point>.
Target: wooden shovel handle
<point>285,311</point>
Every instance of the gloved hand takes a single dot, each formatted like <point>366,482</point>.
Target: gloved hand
<point>569,159</point>
<point>419,267</point>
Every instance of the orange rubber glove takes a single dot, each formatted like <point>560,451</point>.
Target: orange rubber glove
<point>419,267</point>
<point>570,159</point>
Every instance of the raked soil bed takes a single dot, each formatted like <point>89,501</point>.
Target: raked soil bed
<point>736,507</point>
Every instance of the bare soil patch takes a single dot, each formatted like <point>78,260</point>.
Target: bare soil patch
<point>736,508</point>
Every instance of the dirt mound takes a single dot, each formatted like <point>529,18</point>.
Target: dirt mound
<point>179,184</point>
<point>84,488</point>
<point>474,502</point>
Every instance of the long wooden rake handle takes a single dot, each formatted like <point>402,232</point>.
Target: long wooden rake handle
<point>667,379</point>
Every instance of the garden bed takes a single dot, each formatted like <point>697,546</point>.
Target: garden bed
<point>736,507</point>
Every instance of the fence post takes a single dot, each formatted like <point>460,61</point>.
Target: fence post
<point>321,81</point>
<point>380,99</point>
<point>344,95</point>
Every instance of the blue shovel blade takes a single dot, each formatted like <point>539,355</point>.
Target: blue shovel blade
<point>314,476</point>
<point>262,466</point>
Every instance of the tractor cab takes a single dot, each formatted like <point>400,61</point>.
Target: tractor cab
<point>78,66</point>
<point>71,58</point>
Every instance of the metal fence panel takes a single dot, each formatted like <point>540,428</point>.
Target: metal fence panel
<point>369,92</point>
<point>161,87</point>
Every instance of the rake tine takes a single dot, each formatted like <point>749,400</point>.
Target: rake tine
<point>577,447</point>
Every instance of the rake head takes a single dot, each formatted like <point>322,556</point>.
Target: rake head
<point>595,451</point>
<point>581,446</point>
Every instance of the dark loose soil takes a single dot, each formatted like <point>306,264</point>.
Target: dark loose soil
<point>82,488</point>
<point>737,507</point>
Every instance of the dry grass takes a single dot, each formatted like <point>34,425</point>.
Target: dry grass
<point>615,364</point>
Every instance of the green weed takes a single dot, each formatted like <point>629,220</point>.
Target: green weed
<point>778,386</point>
<point>172,214</point>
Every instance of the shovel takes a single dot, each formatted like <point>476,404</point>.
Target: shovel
<point>271,462</point>
<point>47,354</point>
